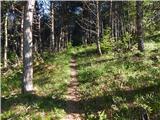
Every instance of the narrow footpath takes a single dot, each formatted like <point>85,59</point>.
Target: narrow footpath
<point>73,96</point>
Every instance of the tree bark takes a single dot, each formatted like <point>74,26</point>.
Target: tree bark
<point>27,48</point>
<point>52,28</point>
<point>139,17</point>
<point>22,21</point>
<point>111,20</point>
<point>39,34</point>
<point>6,41</point>
<point>98,28</point>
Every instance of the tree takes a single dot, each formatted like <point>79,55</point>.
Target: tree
<point>98,28</point>
<point>6,40</point>
<point>139,17</point>
<point>91,25</point>
<point>22,21</point>
<point>52,26</point>
<point>27,48</point>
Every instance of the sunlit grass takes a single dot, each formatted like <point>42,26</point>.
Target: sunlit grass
<point>130,80</point>
<point>51,78</point>
<point>112,86</point>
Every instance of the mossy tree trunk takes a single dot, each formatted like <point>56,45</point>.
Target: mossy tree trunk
<point>139,18</point>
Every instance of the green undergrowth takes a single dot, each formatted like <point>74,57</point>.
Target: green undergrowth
<point>51,77</point>
<point>114,86</point>
<point>119,86</point>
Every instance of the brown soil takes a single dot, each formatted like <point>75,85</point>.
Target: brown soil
<point>73,96</point>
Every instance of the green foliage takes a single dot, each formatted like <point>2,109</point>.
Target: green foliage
<point>122,85</point>
<point>124,43</point>
<point>89,75</point>
<point>100,116</point>
<point>69,46</point>
<point>127,40</point>
<point>151,20</point>
<point>112,86</point>
<point>12,57</point>
<point>11,82</point>
<point>50,82</point>
<point>106,42</point>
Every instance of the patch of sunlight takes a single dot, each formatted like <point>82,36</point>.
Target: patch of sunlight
<point>59,113</point>
<point>150,45</point>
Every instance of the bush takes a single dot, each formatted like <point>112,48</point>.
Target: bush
<point>107,43</point>
<point>12,57</point>
<point>123,43</point>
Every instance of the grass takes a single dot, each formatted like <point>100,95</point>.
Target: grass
<point>51,78</point>
<point>117,86</point>
<point>120,86</point>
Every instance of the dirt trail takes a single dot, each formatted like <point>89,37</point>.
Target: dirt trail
<point>73,95</point>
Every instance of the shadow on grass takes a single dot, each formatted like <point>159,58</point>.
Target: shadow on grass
<point>131,94</point>
<point>86,64</point>
<point>137,58</point>
<point>11,82</point>
<point>95,104</point>
<point>89,76</point>
<point>87,53</point>
<point>46,103</point>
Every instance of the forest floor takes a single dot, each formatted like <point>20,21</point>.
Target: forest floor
<point>116,85</point>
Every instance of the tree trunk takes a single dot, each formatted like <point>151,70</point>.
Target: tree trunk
<point>52,29</point>
<point>63,40</point>
<point>89,32</point>
<point>98,29</point>
<point>111,20</point>
<point>102,28</point>
<point>27,49</point>
<point>6,41</point>
<point>139,17</point>
<point>39,34</point>
<point>22,21</point>
<point>116,21</point>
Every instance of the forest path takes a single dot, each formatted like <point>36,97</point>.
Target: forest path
<point>73,97</point>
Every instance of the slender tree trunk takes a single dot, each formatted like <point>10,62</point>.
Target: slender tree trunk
<point>98,28</point>
<point>116,21</point>
<point>116,28</point>
<point>112,18</point>
<point>89,32</point>
<point>22,21</point>
<point>56,45</point>
<point>27,49</point>
<point>102,28</point>
<point>67,38</point>
<point>39,34</point>
<point>139,18</point>
<point>52,30</point>
<point>60,40</point>
<point>85,38</point>
<point>6,40</point>
<point>63,40</point>
<point>122,27</point>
